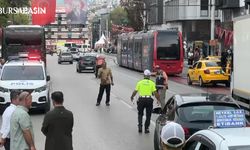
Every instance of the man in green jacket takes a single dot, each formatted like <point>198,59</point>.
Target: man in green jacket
<point>58,125</point>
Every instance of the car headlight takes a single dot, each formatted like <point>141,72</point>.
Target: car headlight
<point>2,89</point>
<point>40,89</point>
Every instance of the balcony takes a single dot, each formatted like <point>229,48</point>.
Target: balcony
<point>227,4</point>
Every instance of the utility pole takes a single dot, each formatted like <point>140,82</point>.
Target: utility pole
<point>212,2</point>
<point>144,16</point>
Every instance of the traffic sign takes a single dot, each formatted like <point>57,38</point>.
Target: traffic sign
<point>229,118</point>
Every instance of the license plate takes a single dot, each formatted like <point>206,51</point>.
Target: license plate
<point>89,67</point>
<point>217,72</point>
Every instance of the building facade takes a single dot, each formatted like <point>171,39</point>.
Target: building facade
<point>62,31</point>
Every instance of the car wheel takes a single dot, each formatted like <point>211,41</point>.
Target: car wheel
<point>156,142</point>
<point>59,62</point>
<point>189,80</point>
<point>227,84</point>
<point>201,84</point>
<point>71,62</point>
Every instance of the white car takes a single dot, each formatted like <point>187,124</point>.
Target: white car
<point>25,75</point>
<point>220,139</point>
<point>75,53</point>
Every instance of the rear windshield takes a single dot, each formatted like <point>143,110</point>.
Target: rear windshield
<point>23,73</point>
<point>201,113</point>
<point>88,58</point>
<point>211,64</point>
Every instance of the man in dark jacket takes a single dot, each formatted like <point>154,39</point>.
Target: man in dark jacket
<point>57,125</point>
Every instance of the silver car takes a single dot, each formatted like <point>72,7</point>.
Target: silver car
<point>65,57</point>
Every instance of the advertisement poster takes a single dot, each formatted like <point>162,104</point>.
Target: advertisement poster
<point>76,11</point>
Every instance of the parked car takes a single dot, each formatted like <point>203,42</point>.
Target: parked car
<point>220,139</point>
<point>193,112</point>
<point>86,62</point>
<point>75,52</point>
<point>65,57</point>
<point>207,71</point>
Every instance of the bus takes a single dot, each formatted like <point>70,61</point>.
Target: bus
<point>145,50</point>
<point>23,39</point>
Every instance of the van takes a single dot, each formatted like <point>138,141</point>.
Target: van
<point>84,47</point>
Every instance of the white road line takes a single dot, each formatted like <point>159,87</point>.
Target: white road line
<point>129,106</point>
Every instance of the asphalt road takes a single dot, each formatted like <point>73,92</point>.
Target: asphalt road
<point>102,128</point>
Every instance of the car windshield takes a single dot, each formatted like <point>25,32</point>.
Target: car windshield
<point>244,147</point>
<point>22,73</point>
<point>211,64</point>
<point>201,112</point>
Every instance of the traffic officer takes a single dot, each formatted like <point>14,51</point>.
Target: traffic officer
<point>146,88</point>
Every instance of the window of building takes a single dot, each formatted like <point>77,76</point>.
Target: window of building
<point>204,8</point>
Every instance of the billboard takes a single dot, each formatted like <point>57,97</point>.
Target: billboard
<point>76,11</point>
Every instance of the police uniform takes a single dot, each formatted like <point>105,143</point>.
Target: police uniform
<point>145,88</point>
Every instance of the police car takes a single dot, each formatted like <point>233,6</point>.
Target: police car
<point>229,133</point>
<point>25,75</point>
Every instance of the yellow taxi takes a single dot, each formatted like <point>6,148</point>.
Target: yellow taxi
<point>218,60</point>
<point>207,71</point>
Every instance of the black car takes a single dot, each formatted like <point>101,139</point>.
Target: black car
<point>193,111</point>
<point>86,62</point>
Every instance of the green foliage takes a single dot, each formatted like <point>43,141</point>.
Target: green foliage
<point>134,11</point>
<point>16,18</point>
<point>119,16</point>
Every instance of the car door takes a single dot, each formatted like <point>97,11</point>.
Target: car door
<point>197,71</point>
<point>191,71</point>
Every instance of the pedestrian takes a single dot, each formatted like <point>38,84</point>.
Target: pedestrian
<point>5,129</point>
<point>172,136</point>
<point>224,56</point>
<point>58,125</point>
<point>106,78</point>
<point>161,84</point>
<point>145,88</point>
<point>190,57</point>
<point>2,61</point>
<point>196,54</point>
<point>21,129</point>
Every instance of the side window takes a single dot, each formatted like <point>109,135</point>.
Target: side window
<point>204,147</point>
<point>166,108</point>
<point>170,109</point>
<point>194,66</point>
<point>191,145</point>
<point>199,65</point>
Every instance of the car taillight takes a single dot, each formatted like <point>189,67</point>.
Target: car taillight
<point>34,57</point>
<point>206,71</point>
<point>186,131</point>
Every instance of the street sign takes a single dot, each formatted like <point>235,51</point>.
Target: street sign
<point>229,118</point>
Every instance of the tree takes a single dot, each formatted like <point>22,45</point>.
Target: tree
<point>119,16</point>
<point>15,18</point>
<point>134,9</point>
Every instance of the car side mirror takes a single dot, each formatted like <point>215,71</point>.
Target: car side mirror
<point>157,110</point>
<point>48,78</point>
